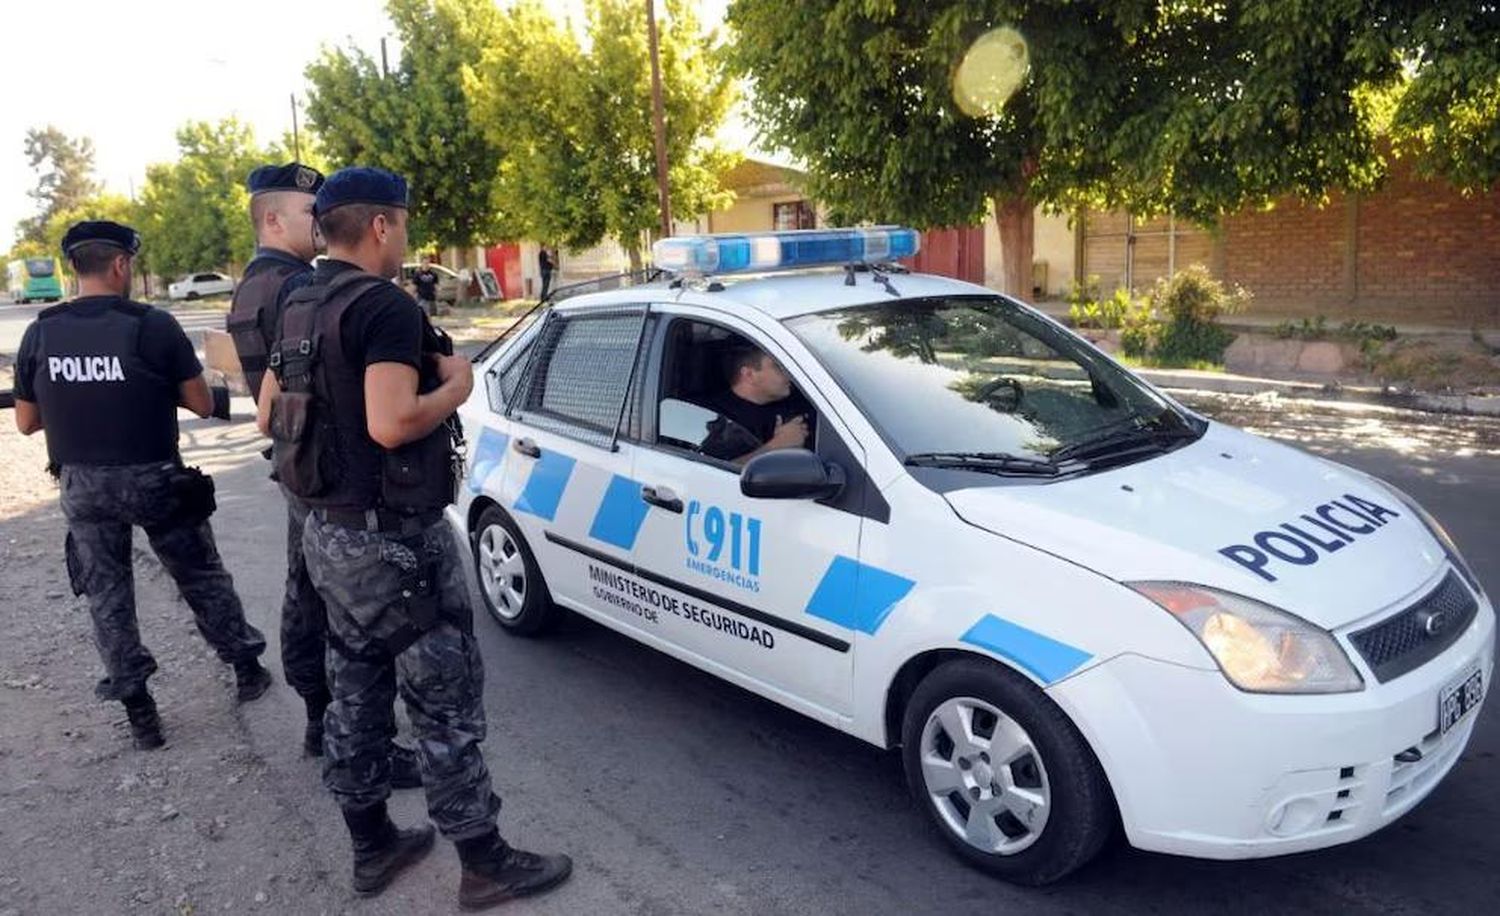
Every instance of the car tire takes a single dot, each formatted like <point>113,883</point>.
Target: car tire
<point>192,294</point>
<point>1043,768</point>
<point>510,581</point>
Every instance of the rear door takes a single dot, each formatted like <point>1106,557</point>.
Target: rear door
<point>567,477</point>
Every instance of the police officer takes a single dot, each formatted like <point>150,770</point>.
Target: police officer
<point>104,376</point>
<point>281,205</point>
<point>378,472</point>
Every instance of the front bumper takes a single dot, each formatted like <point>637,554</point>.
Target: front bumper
<point>1201,768</point>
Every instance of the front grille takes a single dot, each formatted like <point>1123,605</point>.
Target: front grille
<point>1420,633</point>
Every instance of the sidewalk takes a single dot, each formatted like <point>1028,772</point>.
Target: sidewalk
<point>1347,387</point>
<point>1226,383</point>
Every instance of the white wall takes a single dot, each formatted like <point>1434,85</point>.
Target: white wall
<point>1052,243</point>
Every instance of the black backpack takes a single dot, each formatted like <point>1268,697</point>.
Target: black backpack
<point>305,436</point>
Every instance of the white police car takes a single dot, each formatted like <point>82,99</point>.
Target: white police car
<point>1066,597</point>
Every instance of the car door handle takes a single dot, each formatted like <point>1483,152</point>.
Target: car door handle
<point>661,496</point>
<point>528,448</point>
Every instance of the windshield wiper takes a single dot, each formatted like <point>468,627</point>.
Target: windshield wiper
<point>1147,435</point>
<point>987,462</point>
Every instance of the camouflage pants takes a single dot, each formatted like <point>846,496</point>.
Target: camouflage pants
<point>102,504</point>
<point>303,620</point>
<point>361,576</point>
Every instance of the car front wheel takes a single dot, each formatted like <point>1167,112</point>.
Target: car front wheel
<point>509,579</point>
<point>1004,775</point>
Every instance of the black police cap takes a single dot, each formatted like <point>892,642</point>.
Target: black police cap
<point>361,185</point>
<point>294,176</point>
<point>101,230</point>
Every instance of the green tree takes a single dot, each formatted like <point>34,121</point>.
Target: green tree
<point>115,207</point>
<point>1199,106</point>
<point>1448,115</point>
<point>308,149</point>
<point>417,120</point>
<point>65,177</point>
<point>194,213</point>
<point>573,122</point>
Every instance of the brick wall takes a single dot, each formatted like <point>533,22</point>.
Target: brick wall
<point>1291,254</point>
<point>1414,251</point>
<point>1424,249</point>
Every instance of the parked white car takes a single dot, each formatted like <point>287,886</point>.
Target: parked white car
<point>200,286</point>
<point>1071,601</point>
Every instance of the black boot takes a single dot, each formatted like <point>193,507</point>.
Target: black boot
<point>145,724</point>
<point>312,737</point>
<point>494,872</point>
<point>251,679</point>
<point>381,849</point>
<point>405,772</point>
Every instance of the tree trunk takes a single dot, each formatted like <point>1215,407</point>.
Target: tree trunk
<point>1016,220</point>
<point>634,252</point>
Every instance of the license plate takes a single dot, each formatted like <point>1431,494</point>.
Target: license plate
<point>1457,700</point>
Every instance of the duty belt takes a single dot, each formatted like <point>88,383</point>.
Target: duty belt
<point>381,520</point>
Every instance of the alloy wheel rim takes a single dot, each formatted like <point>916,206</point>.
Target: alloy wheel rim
<point>502,572</point>
<point>984,776</point>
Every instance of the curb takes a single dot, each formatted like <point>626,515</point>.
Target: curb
<point>1184,380</point>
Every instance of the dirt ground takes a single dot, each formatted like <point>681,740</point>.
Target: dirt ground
<point>228,817</point>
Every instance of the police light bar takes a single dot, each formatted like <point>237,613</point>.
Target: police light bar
<point>758,252</point>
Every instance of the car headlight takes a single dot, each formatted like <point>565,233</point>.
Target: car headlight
<point>1259,648</point>
<point>1438,532</point>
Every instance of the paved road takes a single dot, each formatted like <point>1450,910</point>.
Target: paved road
<point>679,794</point>
<point>687,795</point>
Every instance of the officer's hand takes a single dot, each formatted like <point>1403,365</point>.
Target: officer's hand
<point>789,433</point>
<point>458,370</point>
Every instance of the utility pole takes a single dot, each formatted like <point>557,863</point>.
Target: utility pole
<point>662,198</point>
<point>296,137</point>
<point>385,69</point>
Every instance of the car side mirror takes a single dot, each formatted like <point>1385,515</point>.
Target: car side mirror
<point>791,473</point>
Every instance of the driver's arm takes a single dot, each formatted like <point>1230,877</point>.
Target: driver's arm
<point>790,433</point>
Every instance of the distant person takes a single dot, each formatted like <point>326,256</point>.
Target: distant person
<point>547,262</point>
<point>103,377</point>
<point>425,280</point>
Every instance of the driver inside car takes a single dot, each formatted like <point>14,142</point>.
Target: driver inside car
<point>760,411</point>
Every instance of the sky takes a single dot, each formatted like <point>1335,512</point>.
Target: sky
<point>128,74</point>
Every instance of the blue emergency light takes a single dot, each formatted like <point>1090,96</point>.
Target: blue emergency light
<point>758,252</point>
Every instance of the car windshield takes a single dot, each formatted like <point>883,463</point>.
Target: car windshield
<point>39,267</point>
<point>961,381</point>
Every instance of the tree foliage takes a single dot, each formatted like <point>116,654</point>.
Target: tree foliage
<point>65,177</point>
<point>1448,115</point>
<point>416,120</point>
<point>194,212</point>
<point>1198,107</point>
<point>573,121</point>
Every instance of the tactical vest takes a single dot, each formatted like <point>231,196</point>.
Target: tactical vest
<point>319,421</point>
<point>253,320</point>
<point>101,403</point>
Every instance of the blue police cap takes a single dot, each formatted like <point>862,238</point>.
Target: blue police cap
<point>361,185</point>
<point>294,176</point>
<point>101,230</point>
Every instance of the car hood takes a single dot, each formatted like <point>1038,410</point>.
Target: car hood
<point>1232,511</point>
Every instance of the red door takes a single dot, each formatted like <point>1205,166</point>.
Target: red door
<point>955,252</point>
<point>505,260</point>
